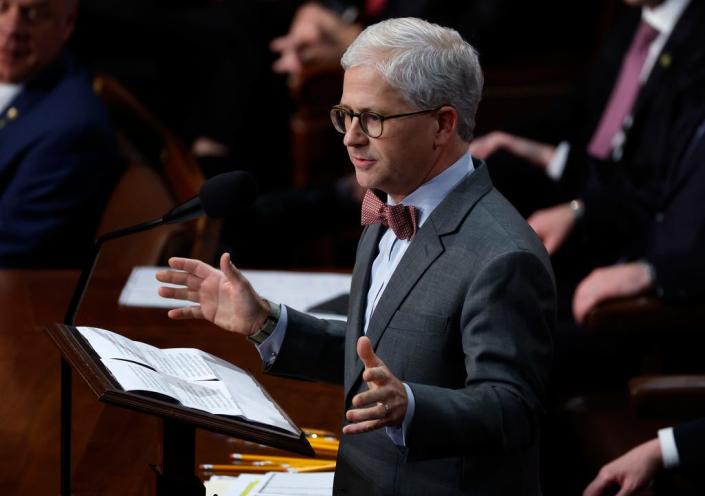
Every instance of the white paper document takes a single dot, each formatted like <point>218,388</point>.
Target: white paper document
<point>299,290</point>
<point>219,485</point>
<point>192,377</point>
<point>185,363</point>
<point>282,484</point>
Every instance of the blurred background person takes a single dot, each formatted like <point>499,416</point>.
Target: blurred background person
<point>613,152</point>
<point>666,262</point>
<point>617,171</point>
<point>591,367</point>
<point>58,157</point>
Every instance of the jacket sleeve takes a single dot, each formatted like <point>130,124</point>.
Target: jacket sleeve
<point>690,441</point>
<point>312,349</point>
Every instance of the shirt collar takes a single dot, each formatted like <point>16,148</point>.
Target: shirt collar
<point>8,92</point>
<point>427,196</point>
<point>664,16</point>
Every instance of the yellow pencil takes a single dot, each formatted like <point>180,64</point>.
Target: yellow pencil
<point>320,467</point>
<point>279,459</point>
<point>328,453</point>
<point>323,442</point>
<point>207,467</point>
<point>315,468</point>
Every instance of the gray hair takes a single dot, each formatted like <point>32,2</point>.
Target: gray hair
<point>429,64</point>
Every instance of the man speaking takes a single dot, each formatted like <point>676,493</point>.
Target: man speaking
<point>446,350</point>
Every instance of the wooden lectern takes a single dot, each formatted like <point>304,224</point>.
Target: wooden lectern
<point>176,475</point>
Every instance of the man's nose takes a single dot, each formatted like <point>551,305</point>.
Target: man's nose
<point>14,32</point>
<point>354,136</point>
<point>10,20</point>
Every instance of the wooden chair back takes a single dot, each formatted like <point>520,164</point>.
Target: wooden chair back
<point>161,174</point>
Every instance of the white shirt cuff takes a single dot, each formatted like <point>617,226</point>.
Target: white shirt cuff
<point>398,434</point>
<point>269,348</point>
<point>557,165</point>
<point>669,450</point>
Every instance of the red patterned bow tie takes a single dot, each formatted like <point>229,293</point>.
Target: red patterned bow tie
<point>401,219</point>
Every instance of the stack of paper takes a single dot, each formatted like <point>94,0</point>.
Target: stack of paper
<point>299,290</point>
<point>272,484</point>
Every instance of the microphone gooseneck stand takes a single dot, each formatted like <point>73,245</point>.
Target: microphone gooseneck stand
<point>218,197</point>
<point>178,439</point>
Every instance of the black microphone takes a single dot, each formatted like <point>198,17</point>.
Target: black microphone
<point>220,196</point>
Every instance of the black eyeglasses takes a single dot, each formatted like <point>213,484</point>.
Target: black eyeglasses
<point>371,123</point>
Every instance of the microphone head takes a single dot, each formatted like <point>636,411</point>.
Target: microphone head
<point>227,193</point>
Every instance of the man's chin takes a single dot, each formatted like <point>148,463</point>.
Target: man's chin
<point>364,179</point>
<point>17,67</point>
<point>14,74</point>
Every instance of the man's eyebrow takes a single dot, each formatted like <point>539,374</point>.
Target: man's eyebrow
<point>33,3</point>
<point>363,109</point>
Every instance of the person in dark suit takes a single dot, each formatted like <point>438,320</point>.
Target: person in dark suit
<point>58,158</point>
<point>615,188</point>
<point>677,273</point>
<point>445,354</point>
<point>682,446</point>
<point>670,262</point>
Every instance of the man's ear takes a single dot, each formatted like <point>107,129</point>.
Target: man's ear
<point>447,124</point>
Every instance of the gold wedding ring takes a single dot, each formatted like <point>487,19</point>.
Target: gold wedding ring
<point>386,408</point>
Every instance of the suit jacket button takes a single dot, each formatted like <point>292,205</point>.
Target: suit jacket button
<point>659,217</point>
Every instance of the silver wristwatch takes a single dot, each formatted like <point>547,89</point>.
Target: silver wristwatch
<point>267,328</point>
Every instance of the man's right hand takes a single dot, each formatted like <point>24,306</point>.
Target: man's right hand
<point>553,225</point>
<point>539,154</point>
<point>630,472</point>
<point>605,283</point>
<point>317,36</point>
<point>224,296</point>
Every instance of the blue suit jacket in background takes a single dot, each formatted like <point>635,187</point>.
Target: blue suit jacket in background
<point>58,164</point>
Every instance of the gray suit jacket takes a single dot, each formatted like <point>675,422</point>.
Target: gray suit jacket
<point>466,321</point>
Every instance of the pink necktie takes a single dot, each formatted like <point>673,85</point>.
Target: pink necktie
<point>624,92</point>
<point>401,219</point>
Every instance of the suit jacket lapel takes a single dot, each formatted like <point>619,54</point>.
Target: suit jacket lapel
<point>366,253</point>
<point>422,252</point>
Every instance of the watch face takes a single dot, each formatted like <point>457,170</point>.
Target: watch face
<point>260,335</point>
<point>263,332</point>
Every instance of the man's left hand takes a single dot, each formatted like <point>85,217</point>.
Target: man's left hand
<point>553,225</point>
<point>630,472</point>
<point>534,152</point>
<point>609,282</point>
<point>384,403</point>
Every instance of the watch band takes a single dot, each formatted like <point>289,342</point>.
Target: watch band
<point>268,326</point>
<point>578,208</point>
